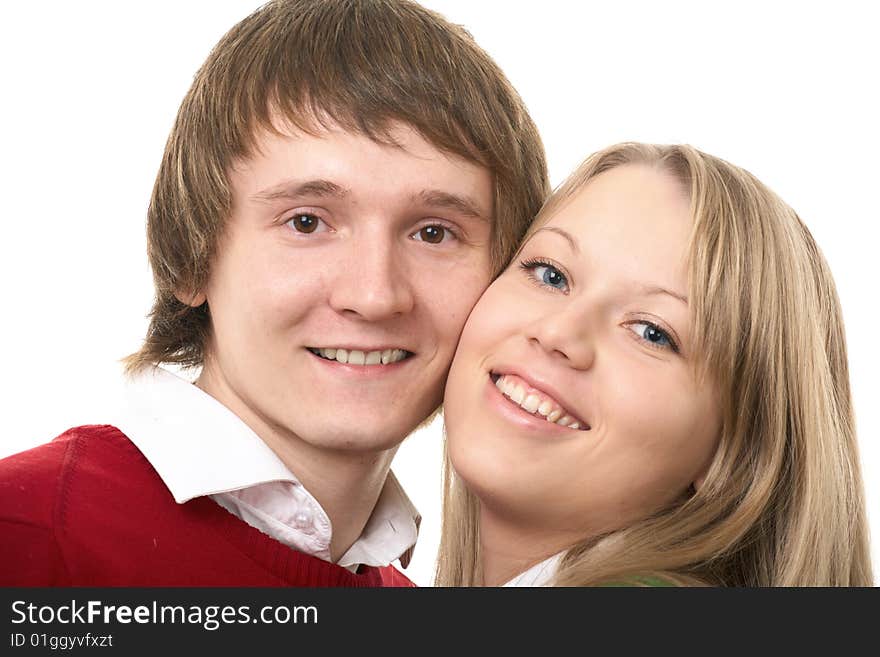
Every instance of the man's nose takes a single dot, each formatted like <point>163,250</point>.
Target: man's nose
<point>373,281</point>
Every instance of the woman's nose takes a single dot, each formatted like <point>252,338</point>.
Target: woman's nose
<point>565,334</point>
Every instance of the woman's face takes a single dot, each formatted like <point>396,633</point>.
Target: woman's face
<point>572,406</point>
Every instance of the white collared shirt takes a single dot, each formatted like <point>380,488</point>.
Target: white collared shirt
<point>538,575</point>
<point>199,447</point>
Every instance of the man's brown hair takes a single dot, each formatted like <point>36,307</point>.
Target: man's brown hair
<point>361,64</point>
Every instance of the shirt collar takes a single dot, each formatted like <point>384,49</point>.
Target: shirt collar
<point>199,447</point>
<point>538,575</point>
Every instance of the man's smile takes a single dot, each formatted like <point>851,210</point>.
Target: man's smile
<point>360,356</point>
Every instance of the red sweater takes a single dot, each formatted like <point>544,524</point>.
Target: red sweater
<point>88,509</point>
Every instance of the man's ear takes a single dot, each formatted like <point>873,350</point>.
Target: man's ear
<point>190,299</point>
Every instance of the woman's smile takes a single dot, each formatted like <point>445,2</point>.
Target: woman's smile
<point>536,402</point>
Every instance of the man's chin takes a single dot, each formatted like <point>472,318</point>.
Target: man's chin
<point>353,439</point>
<point>363,430</point>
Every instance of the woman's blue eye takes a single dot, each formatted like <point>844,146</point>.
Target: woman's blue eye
<point>653,335</point>
<point>543,273</point>
<point>551,276</point>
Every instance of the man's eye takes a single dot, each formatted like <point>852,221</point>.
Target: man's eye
<point>433,234</point>
<point>306,223</point>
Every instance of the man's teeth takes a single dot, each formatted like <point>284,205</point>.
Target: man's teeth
<point>355,357</point>
<point>535,404</point>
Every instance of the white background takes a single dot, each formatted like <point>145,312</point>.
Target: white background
<point>90,90</point>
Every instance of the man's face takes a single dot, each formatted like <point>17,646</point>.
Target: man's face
<point>341,285</point>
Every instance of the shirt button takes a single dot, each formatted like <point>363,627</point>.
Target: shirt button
<point>303,519</point>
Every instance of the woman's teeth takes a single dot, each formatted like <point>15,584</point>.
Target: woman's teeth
<point>538,405</point>
<point>355,357</point>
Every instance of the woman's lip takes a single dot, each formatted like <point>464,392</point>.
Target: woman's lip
<point>519,416</point>
<point>538,383</point>
<point>542,389</point>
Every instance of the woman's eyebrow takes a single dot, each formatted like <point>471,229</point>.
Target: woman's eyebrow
<point>572,242</point>
<point>646,289</point>
<point>649,290</point>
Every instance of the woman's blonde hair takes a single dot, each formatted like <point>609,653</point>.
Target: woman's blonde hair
<point>782,503</point>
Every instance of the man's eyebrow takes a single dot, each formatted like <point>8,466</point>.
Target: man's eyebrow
<point>572,242</point>
<point>294,190</point>
<point>461,204</point>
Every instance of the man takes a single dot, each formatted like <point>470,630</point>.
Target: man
<point>342,182</point>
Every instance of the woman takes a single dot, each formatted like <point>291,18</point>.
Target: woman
<point>655,392</point>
